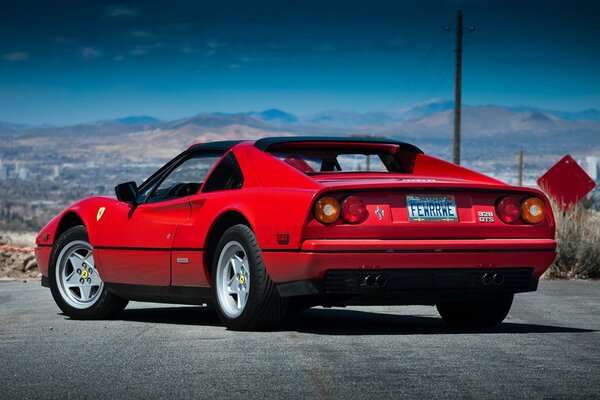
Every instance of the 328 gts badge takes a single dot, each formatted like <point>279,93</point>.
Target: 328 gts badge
<point>485,216</point>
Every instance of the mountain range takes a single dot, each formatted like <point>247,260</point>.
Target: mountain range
<point>487,128</point>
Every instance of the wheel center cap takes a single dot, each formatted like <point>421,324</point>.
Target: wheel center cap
<point>84,274</point>
<point>242,279</point>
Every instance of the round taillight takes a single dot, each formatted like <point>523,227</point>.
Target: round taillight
<point>509,209</point>
<point>354,210</point>
<point>327,210</point>
<point>533,210</point>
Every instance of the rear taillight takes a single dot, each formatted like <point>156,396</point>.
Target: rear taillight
<point>327,210</point>
<point>509,209</point>
<point>533,210</point>
<point>354,210</point>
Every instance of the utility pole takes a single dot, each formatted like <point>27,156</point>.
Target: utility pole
<point>521,168</point>
<point>458,83</point>
<point>457,86</point>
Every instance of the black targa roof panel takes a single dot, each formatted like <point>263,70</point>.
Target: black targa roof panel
<point>265,143</point>
<point>222,145</point>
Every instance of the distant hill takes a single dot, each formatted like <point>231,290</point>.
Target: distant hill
<point>275,116</point>
<point>137,120</point>
<point>425,109</point>
<point>586,115</point>
<point>217,120</point>
<point>485,129</point>
<point>8,127</point>
<point>591,114</point>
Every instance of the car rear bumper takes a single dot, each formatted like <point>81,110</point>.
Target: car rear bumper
<point>406,262</point>
<point>412,286</point>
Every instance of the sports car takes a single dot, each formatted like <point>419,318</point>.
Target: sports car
<point>260,228</point>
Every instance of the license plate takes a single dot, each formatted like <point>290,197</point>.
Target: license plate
<point>431,208</point>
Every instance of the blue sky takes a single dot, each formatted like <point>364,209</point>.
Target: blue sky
<point>69,61</point>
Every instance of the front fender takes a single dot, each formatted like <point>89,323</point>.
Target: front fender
<point>87,211</point>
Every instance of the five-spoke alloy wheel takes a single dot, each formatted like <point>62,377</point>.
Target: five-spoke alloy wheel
<point>245,296</point>
<point>233,278</point>
<point>76,284</point>
<point>78,280</point>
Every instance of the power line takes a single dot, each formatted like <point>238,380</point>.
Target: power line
<point>400,98</point>
<point>441,76</point>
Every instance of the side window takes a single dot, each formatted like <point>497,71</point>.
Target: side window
<point>226,175</point>
<point>185,179</point>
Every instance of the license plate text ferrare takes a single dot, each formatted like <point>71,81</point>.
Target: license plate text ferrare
<point>431,208</point>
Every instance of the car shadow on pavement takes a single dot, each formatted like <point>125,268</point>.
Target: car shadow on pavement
<point>353,322</point>
<point>338,322</point>
<point>178,315</point>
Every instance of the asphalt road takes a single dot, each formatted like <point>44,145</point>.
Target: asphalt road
<point>548,348</point>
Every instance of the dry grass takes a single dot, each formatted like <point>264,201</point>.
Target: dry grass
<point>578,245</point>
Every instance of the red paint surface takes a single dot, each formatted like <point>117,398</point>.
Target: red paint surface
<point>191,273</point>
<point>287,266</point>
<point>142,246</point>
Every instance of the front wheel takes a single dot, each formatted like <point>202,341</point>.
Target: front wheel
<point>75,283</point>
<point>476,314</point>
<point>245,296</point>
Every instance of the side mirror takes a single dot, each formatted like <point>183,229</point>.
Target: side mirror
<point>127,192</point>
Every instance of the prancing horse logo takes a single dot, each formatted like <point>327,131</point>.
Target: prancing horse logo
<point>379,212</point>
<point>100,212</point>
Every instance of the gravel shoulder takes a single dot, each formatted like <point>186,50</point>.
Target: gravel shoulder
<point>15,264</point>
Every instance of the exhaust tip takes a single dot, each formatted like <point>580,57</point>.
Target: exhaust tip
<point>487,279</point>
<point>381,280</point>
<point>370,280</point>
<point>498,279</point>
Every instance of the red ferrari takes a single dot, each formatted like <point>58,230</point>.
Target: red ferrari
<point>257,228</point>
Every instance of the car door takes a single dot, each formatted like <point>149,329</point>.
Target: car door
<point>137,250</point>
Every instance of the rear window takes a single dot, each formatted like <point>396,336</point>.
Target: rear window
<point>328,161</point>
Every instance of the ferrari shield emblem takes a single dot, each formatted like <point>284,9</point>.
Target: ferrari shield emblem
<point>100,212</point>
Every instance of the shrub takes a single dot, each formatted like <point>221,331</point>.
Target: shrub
<point>578,244</point>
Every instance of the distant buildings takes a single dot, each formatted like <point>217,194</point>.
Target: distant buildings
<point>3,171</point>
<point>24,171</point>
<point>21,171</point>
<point>55,172</point>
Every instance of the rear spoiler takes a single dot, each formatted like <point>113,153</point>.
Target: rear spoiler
<point>265,143</point>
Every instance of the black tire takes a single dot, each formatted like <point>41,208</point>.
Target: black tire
<point>105,305</point>
<point>476,314</point>
<point>264,308</point>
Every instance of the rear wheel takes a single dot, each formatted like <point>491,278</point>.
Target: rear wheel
<point>75,283</point>
<point>245,296</point>
<point>476,314</point>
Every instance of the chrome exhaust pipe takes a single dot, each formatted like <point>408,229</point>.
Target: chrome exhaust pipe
<point>370,280</point>
<point>487,279</point>
<point>498,279</point>
<point>375,280</point>
<point>381,280</point>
